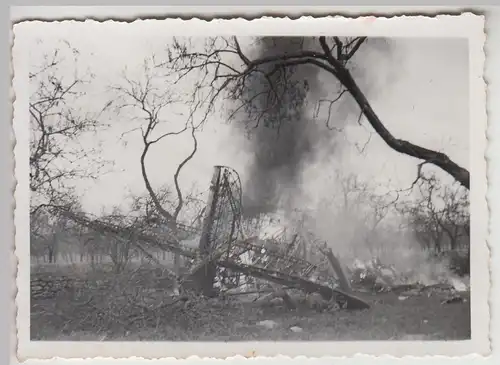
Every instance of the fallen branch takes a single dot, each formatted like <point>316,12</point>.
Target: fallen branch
<point>351,301</point>
<point>337,268</point>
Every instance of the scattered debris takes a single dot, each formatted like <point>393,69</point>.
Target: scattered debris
<point>454,299</point>
<point>459,285</point>
<point>411,293</point>
<point>269,324</point>
<point>373,276</point>
<point>315,301</point>
<point>276,302</point>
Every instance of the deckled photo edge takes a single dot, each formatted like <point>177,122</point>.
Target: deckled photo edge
<point>13,257</point>
<point>21,144</point>
<point>480,339</point>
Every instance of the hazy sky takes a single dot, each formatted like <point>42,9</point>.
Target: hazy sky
<point>419,89</point>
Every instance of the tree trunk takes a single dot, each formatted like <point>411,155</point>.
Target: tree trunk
<point>207,276</point>
<point>52,257</point>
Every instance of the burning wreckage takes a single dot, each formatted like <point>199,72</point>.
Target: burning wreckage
<point>290,269</point>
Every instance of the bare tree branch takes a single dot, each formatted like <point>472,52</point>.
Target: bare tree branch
<point>235,76</point>
<point>56,125</point>
<point>437,158</point>
<point>439,212</point>
<point>177,172</point>
<point>145,97</point>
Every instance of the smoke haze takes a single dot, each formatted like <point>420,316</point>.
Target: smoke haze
<point>287,132</point>
<point>280,134</point>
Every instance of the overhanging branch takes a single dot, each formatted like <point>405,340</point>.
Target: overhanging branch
<point>438,159</point>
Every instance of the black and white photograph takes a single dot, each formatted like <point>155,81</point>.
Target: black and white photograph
<point>241,185</point>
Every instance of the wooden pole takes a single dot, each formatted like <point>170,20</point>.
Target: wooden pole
<point>207,276</point>
<point>339,271</point>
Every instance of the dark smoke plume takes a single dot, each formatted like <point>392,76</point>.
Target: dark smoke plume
<point>281,135</point>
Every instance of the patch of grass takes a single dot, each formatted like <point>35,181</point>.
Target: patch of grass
<point>132,309</point>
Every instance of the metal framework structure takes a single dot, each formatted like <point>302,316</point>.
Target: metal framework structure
<point>233,257</point>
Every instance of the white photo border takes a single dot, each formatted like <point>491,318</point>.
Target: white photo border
<point>466,25</point>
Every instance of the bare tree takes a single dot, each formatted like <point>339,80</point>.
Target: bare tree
<point>188,222</point>
<point>50,235</point>
<point>119,248</point>
<point>440,215</point>
<point>40,233</point>
<point>57,122</point>
<point>144,207</point>
<point>225,70</point>
<point>146,97</point>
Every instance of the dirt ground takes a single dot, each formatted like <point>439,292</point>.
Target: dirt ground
<point>104,313</point>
